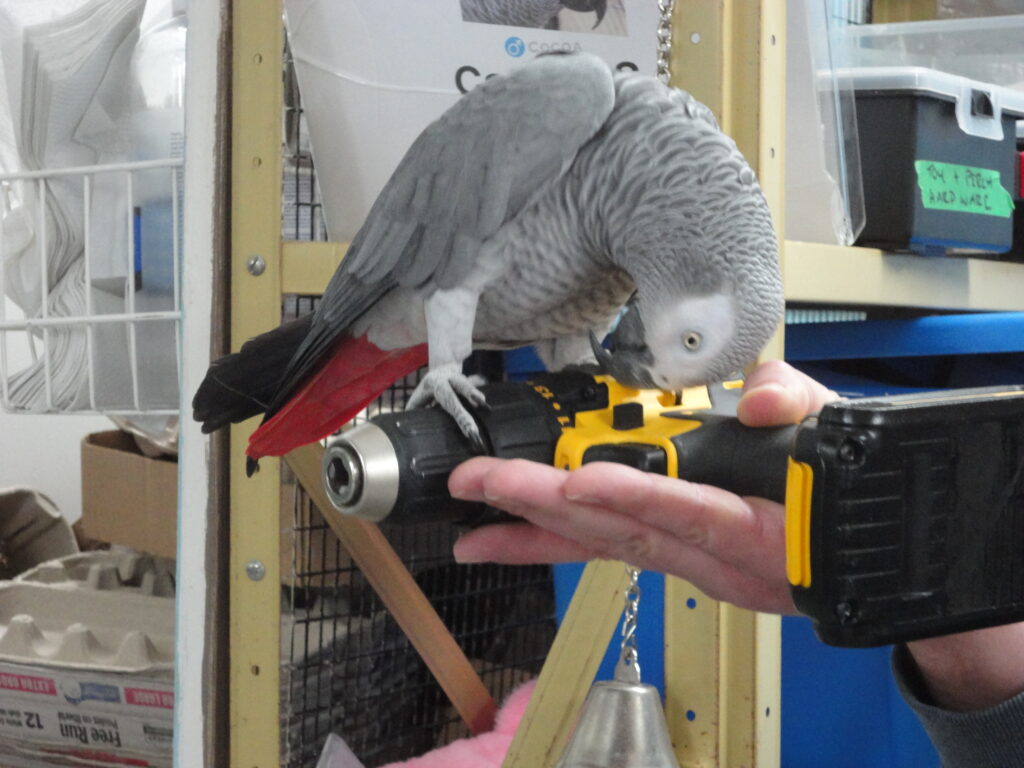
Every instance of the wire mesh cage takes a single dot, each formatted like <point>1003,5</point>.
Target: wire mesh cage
<point>90,261</point>
<point>347,668</point>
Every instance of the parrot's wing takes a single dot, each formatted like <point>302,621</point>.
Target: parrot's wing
<point>693,108</point>
<point>477,166</point>
<point>465,176</point>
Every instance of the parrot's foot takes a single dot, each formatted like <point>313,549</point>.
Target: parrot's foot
<point>443,385</point>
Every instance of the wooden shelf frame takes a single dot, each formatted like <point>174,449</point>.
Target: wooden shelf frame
<point>254,582</point>
<point>833,274</point>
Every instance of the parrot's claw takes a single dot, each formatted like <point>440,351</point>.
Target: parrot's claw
<point>444,385</point>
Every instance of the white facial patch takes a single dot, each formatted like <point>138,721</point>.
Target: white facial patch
<point>686,337</point>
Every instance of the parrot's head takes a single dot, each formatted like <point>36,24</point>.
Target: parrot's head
<point>709,291</point>
<point>682,344</point>
<point>683,215</point>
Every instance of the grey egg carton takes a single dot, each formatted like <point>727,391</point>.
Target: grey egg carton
<point>119,568</point>
<point>104,611</point>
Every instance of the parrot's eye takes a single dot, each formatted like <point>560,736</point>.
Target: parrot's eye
<point>692,340</point>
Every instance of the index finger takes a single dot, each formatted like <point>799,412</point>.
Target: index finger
<point>604,502</point>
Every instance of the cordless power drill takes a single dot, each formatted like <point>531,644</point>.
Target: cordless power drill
<point>904,515</point>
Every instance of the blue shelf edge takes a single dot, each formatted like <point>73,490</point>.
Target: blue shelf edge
<point>972,334</point>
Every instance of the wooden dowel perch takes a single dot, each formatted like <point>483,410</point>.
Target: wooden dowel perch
<point>402,596</point>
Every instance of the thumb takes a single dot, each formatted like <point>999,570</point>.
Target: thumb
<point>776,393</point>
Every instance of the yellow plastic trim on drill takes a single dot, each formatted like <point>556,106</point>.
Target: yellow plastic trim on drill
<point>595,427</point>
<point>799,484</point>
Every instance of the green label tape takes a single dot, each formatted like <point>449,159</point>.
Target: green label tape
<point>951,187</point>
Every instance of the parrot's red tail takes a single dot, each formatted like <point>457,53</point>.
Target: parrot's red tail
<point>356,372</point>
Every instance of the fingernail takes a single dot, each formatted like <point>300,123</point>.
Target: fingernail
<point>765,387</point>
<point>582,498</point>
<point>783,396</point>
<point>462,557</point>
<point>457,493</point>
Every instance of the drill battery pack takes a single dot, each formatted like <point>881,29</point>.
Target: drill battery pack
<point>905,515</point>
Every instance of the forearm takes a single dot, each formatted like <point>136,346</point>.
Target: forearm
<point>974,670</point>
<point>968,692</point>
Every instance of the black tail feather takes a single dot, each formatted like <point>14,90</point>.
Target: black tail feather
<point>243,384</point>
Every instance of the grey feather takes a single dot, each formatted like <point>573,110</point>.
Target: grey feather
<point>662,195</point>
<point>524,130</point>
<point>431,256</point>
<point>465,250</point>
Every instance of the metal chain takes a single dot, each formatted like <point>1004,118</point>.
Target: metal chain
<point>664,39</point>
<point>628,668</point>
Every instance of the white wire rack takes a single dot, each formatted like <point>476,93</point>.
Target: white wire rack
<point>118,342</point>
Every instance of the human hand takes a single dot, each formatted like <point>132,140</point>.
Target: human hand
<point>731,548</point>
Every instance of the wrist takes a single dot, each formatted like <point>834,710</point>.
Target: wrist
<point>972,670</point>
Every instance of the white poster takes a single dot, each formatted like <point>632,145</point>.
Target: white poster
<point>373,75</point>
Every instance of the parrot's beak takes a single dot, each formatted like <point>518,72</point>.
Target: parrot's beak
<point>628,359</point>
<point>600,7</point>
<point>630,367</point>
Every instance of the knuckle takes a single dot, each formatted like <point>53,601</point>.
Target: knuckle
<point>636,547</point>
<point>695,535</point>
<point>695,532</point>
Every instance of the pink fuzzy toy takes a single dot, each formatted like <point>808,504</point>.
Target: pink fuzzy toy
<point>486,750</point>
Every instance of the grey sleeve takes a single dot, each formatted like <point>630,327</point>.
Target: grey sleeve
<point>988,738</point>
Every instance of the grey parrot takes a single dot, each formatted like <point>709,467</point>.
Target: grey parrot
<point>540,14</point>
<point>529,213</point>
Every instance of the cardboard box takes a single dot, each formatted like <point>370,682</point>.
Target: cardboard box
<point>74,716</point>
<point>131,499</point>
<point>128,498</point>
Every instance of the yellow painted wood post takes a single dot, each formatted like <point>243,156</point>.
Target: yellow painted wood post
<point>691,673</point>
<point>307,267</point>
<point>722,664</point>
<point>254,582</point>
